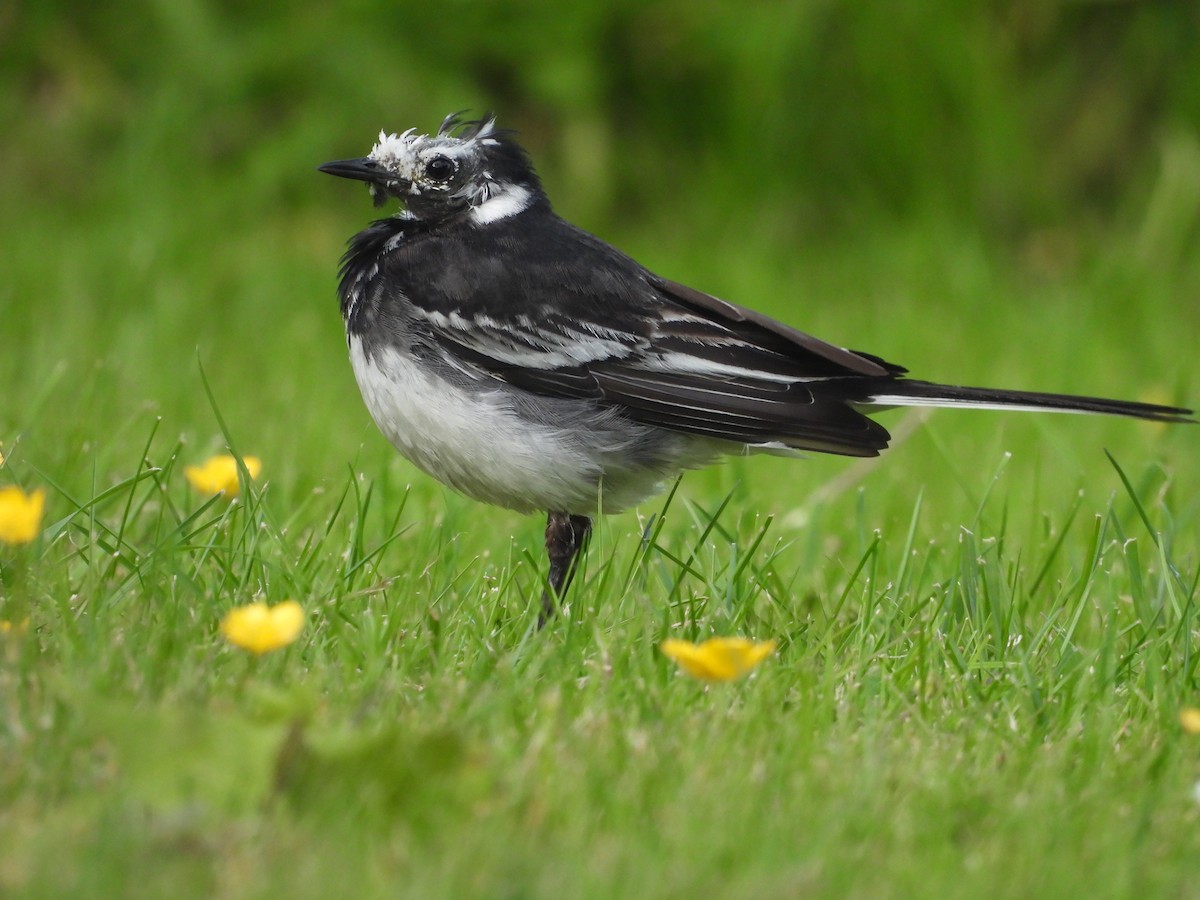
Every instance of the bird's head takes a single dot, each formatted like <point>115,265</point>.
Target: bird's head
<point>468,168</point>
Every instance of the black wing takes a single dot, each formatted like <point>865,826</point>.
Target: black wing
<point>707,367</point>
<point>554,311</point>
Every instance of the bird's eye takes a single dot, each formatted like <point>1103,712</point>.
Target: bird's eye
<point>440,168</point>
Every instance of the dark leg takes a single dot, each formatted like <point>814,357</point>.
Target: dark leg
<point>566,537</point>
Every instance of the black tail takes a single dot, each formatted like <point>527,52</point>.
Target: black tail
<point>901,392</point>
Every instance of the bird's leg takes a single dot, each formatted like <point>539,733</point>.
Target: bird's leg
<point>566,537</point>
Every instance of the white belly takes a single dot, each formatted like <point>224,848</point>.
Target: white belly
<point>473,441</point>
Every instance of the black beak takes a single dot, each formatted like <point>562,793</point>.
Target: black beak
<point>363,169</point>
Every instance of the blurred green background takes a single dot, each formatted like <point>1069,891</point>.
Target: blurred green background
<point>985,640</point>
<point>1003,193</point>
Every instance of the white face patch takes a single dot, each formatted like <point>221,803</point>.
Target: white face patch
<point>471,186</point>
<point>405,155</point>
<point>391,149</point>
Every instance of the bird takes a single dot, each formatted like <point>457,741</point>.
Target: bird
<point>528,364</point>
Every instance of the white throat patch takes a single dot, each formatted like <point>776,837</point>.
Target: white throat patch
<point>506,202</point>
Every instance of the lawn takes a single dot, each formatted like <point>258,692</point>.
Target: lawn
<point>986,640</point>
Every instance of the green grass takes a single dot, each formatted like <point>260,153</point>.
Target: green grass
<point>986,637</point>
<point>988,713</point>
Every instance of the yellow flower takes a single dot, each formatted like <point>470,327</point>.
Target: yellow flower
<point>719,658</point>
<point>260,628</point>
<point>219,474</point>
<point>1189,719</point>
<point>20,515</point>
<point>16,629</point>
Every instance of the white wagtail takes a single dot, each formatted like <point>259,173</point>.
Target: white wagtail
<point>528,364</point>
